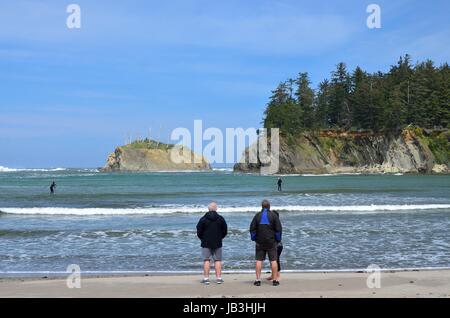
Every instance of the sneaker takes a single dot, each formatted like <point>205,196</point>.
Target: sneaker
<point>257,283</point>
<point>205,281</point>
<point>275,283</point>
<point>219,281</point>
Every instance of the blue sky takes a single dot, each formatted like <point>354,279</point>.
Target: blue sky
<point>68,97</point>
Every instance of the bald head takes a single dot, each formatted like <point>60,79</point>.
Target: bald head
<point>212,206</point>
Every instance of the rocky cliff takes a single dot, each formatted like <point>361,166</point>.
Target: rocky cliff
<point>149,155</point>
<point>411,150</point>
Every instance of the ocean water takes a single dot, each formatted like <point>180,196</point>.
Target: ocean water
<point>146,221</point>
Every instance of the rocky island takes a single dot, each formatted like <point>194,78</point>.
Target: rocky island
<point>149,155</point>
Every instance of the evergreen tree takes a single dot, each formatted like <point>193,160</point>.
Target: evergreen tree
<point>424,91</point>
<point>305,100</point>
<point>322,118</point>
<point>399,80</point>
<point>394,110</point>
<point>362,116</point>
<point>443,97</point>
<point>282,112</point>
<point>405,95</point>
<point>340,114</point>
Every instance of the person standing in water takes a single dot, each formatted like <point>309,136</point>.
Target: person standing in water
<point>52,187</point>
<point>279,251</point>
<point>279,182</point>
<point>211,230</point>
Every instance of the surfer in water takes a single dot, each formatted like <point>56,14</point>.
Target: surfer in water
<point>52,187</point>
<point>279,182</point>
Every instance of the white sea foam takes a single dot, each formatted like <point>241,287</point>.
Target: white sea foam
<point>197,209</point>
<point>223,169</point>
<point>6,169</point>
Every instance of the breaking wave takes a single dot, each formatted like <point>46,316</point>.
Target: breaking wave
<point>198,209</point>
<point>6,169</point>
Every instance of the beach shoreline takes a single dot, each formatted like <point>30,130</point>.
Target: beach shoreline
<point>427,283</point>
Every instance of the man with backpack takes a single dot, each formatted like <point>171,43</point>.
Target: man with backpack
<point>265,230</point>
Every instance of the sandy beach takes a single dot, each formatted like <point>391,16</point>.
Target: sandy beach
<point>424,283</point>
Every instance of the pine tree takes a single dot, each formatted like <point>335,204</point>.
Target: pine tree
<point>425,99</point>
<point>377,101</point>
<point>362,116</point>
<point>395,109</point>
<point>340,114</point>
<point>399,80</point>
<point>443,97</point>
<point>322,118</point>
<point>305,101</point>
<point>282,112</point>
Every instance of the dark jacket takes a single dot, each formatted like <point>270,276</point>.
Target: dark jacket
<point>266,228</point>
<point>211,229</point>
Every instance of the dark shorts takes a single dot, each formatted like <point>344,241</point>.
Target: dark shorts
<point>261,252</point>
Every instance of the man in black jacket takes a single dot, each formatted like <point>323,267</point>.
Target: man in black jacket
<point>265,230</point>
<point>211,230</point>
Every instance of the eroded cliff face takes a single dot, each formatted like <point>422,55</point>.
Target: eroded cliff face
<point>128,158</point>
<point>358,152</point>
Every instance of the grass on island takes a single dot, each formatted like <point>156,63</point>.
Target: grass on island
<point>148,144</point>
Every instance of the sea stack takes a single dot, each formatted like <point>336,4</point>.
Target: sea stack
<point>149,155</point>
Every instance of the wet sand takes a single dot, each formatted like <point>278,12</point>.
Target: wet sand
<point>423,283</point>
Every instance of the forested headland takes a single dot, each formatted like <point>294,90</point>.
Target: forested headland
<point>407,94</point>
<point>361,122</point>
